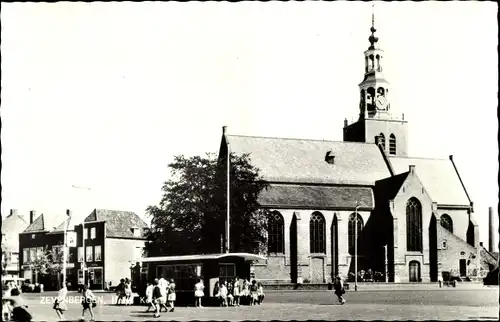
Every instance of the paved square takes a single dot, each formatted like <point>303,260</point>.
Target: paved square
<point>440,304</point>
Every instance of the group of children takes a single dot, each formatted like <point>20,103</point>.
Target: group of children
<point>161,294</point>
<point>88,302</point>
<point>230,294</point>
<point>124,292</point>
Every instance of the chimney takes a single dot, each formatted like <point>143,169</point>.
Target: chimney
<point>13,212</point>
<point>403,116</point>
<point>481,244</point>
<point>224,130</point>
<point>32,216</point>
<point>451,157</point>
<point>346,123</point>
<point>491,241</point>
<point>412,169</point>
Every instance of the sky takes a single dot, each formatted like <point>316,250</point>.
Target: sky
<point>103,95</point>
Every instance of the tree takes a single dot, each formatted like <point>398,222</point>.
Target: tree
<point>49,261</point>
<point>190,218</point>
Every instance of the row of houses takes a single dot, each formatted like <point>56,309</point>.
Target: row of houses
<point>103,247</point>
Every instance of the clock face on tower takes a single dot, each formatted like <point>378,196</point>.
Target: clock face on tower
<point>381,102</point>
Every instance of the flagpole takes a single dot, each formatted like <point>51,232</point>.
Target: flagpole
<point>228,196</point>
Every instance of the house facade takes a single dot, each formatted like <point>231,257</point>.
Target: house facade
<point>363,198</point>
<point>110,241</point>
<point>12,225</point>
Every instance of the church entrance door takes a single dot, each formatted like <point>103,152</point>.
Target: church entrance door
<point>414,271</point>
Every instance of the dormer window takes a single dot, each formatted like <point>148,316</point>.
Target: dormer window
<point>135,231</point>
<point>329,158</point>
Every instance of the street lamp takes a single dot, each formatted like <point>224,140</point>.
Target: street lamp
<point>65,247</point>
<point>356,247</point>
<point>83,237</point>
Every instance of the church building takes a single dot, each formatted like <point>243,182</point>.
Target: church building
<point>413,217</point>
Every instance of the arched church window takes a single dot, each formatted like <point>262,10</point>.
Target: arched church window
<point>378,63</point>
<point>446,222</point>
<point>413,225</point>
<point>392,144</point>
<point>381,140</point>
<point>275,233</point>
<point>352,233</point>
<point>317,233</point>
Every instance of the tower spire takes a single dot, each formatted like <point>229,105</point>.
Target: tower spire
<point>373,39</point>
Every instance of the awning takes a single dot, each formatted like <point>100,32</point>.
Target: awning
<point>245,256</point>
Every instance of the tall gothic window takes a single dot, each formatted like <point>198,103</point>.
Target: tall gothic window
<point>392,144</point>
<point>275,233</point>
<point>382,140</point>
<point>413,225</point>
<point>447,223</point>
<point>317,233</point>
<point>352,233</point>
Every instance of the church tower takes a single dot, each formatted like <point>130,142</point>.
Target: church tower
<point>376,123</point>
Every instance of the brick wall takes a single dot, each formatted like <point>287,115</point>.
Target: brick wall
<point>317,267</point>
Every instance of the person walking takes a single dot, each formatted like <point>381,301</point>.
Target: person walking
<point>171,295</point>
<point>163,285</point>
<point>157,298</point>
<point>149,297</point>
<point>60,302</point>
<point>120,292</point>
<point>88,302</point>
<point>198,293</point>
<point>338,286</point>
<point>440,281</point>
<point>223,294</point>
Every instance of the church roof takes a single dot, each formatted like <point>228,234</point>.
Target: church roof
<point>438,177</point>
<point>317,197</point>
<point>303,161</point>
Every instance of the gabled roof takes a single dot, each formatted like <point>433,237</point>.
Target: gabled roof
<point>303,161</point>
<point>45,223</point>
<point>388,188</point>
<point>438,177</point>
<point>316,197</point>
<point>12,225</point>
<point>118,222</point>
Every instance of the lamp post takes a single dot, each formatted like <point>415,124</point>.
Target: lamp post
<point>356,247</point>
<point>65,246</point>
<point>386,268</point>
<point>83,237</point>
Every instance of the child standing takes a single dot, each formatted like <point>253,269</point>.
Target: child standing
<point>236,291</point>
<point>171,294</point>
<point>230,291</point>
<point>253,293</point>
<point>198,293</point>
<point>338,286</point>
<point>260,293</point>
<point>223,294</point>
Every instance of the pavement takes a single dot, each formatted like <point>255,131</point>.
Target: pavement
<point>437,304</point>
